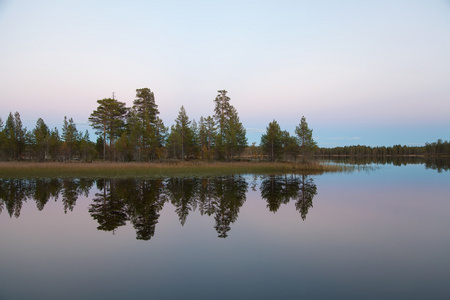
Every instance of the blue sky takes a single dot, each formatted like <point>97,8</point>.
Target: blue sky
<point>361,72</point>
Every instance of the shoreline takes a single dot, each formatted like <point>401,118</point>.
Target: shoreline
<point>161,169</point>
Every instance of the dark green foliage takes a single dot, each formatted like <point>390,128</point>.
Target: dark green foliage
<point>438,148</point>
<point>10,138</point>
<point>207,136</point>
<point>290,146</point>
<point>174,143</point>
<point>108,120</point>
<point>147,125</point>
<point>235,138</point>
<point>87,147</point>
<point>230,139</point>
<point>277,144</point>
<point>15,137</point>
<point>41,138</point>
<point>185,132</point>
<point>54,144</point>
<point>195,148</point>
<point>145,106</point>
<point>3,141</point>
<point>70,137</point>
<point>272,141</point>
<point>304,138</point>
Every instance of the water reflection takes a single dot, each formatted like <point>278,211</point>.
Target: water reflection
<point>13,192</point>
<point>435,163</point>
<point>137,201</point>
<point>277,190</point>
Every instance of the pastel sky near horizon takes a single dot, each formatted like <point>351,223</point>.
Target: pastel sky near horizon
<point>361,72</point>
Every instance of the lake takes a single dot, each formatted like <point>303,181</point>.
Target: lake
<point>380,232</point>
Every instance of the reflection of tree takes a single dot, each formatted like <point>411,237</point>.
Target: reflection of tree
<point>308,190</point>
<point>71,189</point>
<point>207,201</point>
<point>44,189</point>
<point>182,193</point>
<point>141,201</point>
<point>107,208</point>
<point>13,192</point>
<point>280,189</point>
<point>69,194</point>
<point>230,195</point>
<point>439,164</point>
<point>277,190</point>
<point>221,196</point>
<point>144,200</point>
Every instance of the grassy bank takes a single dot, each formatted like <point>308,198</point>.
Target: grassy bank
<point>109,169</point>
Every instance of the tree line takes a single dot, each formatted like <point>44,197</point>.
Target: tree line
<point>438,148</point>
<point>137,133</point>
<point>43,143</point>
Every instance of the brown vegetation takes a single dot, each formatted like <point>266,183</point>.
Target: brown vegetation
<point>57,169</point>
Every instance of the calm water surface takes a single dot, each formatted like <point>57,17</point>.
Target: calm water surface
<point>370,234</point>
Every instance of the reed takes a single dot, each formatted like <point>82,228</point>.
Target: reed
<point>111,169</point>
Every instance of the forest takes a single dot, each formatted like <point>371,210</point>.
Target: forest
<point>137,133</point>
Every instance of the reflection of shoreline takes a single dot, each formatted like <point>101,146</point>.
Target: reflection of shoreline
<point>435,163</point>
<point>140,202</point>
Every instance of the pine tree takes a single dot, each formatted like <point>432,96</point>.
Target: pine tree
<point>235,135</point>
<point>2,140</point>
<point>108,120</point>
<point>304,137</point>
<point>231,134</point>
<point>145,105</point>
<point>135,132</point>
<point>195,140</point>
<point>10,136</point>
<point>211,133</point>
<point>159,142</point>
<point>41,135</point>
<point>21,135</point>
<point>271,141</point>
<point>290,145</point>
<point>70,137</point>
<point>147,111</point>
<point>221,115</point>
<point>54,144</point>
<point>184,130</point>
<point>174,142</point>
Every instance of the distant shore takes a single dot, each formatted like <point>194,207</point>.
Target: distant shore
<point>151,169</point>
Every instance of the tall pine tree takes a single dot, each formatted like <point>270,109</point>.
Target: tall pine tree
<point>108,120</point>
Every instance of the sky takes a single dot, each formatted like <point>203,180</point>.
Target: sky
<point>373,73</point>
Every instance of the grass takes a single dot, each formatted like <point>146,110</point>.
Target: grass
<point>111,169</point>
